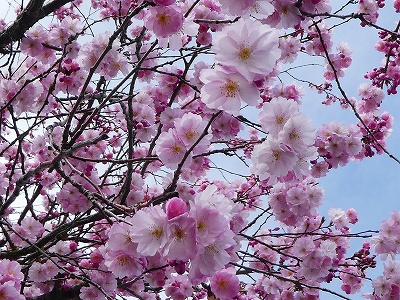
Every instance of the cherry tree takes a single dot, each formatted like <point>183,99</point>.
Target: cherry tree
<point>160,150</point>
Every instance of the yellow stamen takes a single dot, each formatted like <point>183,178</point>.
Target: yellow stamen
<point>231,89</point>
<point>244,53</point>
<point>163,19</point>
<point>157,232</point>
<point>176,149</point>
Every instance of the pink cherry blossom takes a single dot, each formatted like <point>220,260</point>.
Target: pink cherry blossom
<point>164,21</point>
<point>226,91</point>
<point>351,214</point>
<point>32,44</point>
<point>225,125</point>
<point>297,133</point>
<point>225,284</point>
<point>164,2</point>
<point>150,231</point>
<point>9,292</point>
<point>175,207</point>
<point>43,272</point>
<point>104,279</point>
<point>261,9</point>
<point>370,9</point>
<point>210,223</point>
<point>272,160</point>
<point>276,113</point>
<point>122,263</point>
<point>10,273</point>
<point>290,47</point>
<point>338,217</point>
<point>211,197</point>
<point>371,98</point>
<point>212,258</point>
<point>253,52</point>
<point>120,238</point>
<point>236,7</point>
<point>161,149</point>
<point>286,14</point>
<point>189,128</point>
<point>182,238</point>
<point>170,148</point>
<point>314,46</point>
<point>316,5</point>
<point>292,201</point>
<point>178,287</point>
<point>304,246</point>
<point>396,4</point>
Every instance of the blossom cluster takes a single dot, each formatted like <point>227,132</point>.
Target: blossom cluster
<point>288,148</point>
<point>292,202</point>
<point>173,145</point>
<point>10,280</point>
<point>241,60</point>
<point>336,144</point>
<point>311,259</point>
<point>196,239</point>
<point>388,74</point>
<point>386,244</point>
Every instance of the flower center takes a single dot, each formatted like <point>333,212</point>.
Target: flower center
<point>191,134</point>
<point>201,226</point>
<point>212,249</point>
<point>231,89</point>
<point>157,232</point>
<point>294,135</point>
<point>176,149</point>
<point>179,233</point>
<point>280,120</point>
<point>122,260</point>
<point>222,284</point>
<point>163,19</point>
<point>244,53</point>
<point>276,154</point>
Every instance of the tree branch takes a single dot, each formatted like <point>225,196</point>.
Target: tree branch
<point>33,12</point>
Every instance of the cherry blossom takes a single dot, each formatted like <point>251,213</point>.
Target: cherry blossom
<point>276,113</point>
<point>210,223</point>
<point>164,21</point>
<point>253,53</point>
<point>189,128</point>
<point>170,148</point>
<point>272,160</point>
<point>225,284</point>
<point>182,239</point>
<point>212,257</point>
<point>151,232</point>
<point>286,14</point>
<point>225,90</point>
<point>178,287</point>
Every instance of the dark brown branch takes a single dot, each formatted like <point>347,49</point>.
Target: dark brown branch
<point>33,12</point>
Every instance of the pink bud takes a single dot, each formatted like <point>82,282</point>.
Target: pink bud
<point>175,207</point>
<point>73,246</point>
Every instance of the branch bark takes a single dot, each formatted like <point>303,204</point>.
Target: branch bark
<point>33,12</point>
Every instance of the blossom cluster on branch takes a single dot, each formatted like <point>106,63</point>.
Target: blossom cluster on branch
<point>156,149</point>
